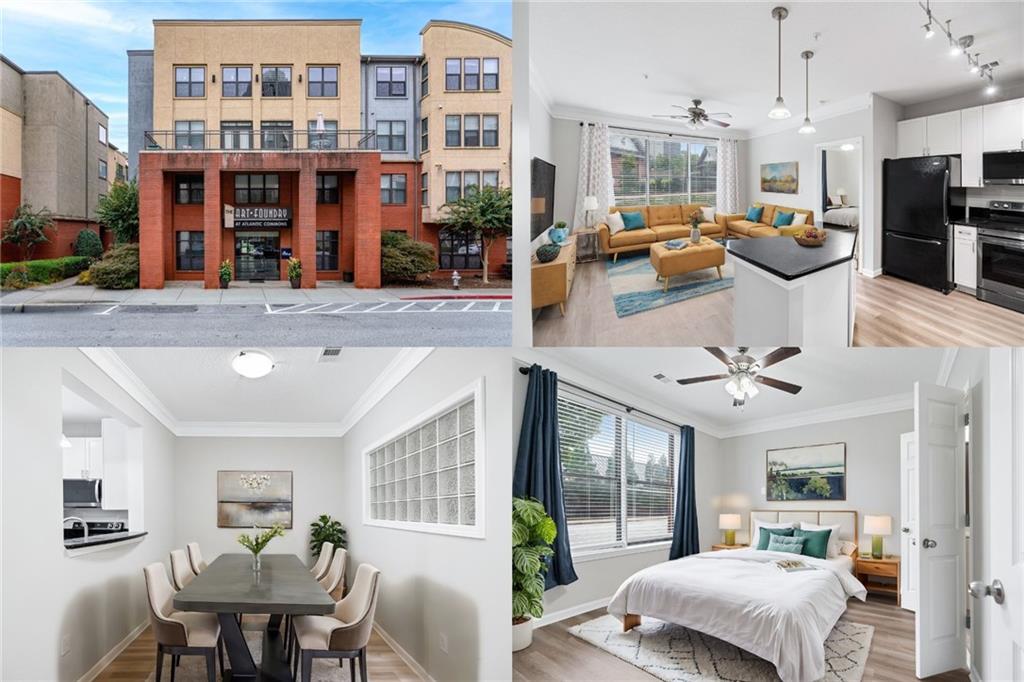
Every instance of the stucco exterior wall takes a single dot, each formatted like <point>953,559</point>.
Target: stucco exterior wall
<point>140,104</point>
<point>393,108</point>
<point>10,143</point>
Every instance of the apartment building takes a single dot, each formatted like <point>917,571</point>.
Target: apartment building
<point>256,141</point>
<point>117,165</point>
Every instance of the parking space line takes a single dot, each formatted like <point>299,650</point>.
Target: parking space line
<point>439,305</point>
<point>344,307</point>
<point>109,310</point>
<point>379,305</point>
<point>316,307</point>
<point>468,306</point>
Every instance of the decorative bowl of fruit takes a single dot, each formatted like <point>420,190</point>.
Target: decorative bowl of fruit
<point>812,236</point>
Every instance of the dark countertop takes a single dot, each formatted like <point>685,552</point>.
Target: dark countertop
<point>93,540</point>
<point>970,222</point>
<point>783,257</point>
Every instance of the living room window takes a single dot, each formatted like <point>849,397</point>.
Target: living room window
<point>648,168</point>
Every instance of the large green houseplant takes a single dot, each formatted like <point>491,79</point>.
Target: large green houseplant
<point>326,529</point>
<point>533,531</point>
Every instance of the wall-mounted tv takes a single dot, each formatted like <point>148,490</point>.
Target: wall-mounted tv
<point>542,196</point>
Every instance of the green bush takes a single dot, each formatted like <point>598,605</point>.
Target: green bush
<point>403,259</point>
<point>119,268</point>
<point>88,244</point>
<point>47,271</point>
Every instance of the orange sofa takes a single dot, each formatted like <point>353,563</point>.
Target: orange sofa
<point>663,222</point>
<point>739,227</point>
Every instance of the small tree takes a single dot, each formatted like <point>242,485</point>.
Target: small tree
<point>119,212</point>
<point>484,214</point>
<point>88,244</point>
<point>27,228</point>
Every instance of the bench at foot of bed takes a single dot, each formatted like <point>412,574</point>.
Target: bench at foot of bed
<point>630,621</point>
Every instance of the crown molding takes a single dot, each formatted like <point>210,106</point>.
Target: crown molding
<point>397,370</point>
<point>853,410</point>
<point>540,89</point>
<point>226,429</point>
<point>111,364</point>
<point>946,365</point>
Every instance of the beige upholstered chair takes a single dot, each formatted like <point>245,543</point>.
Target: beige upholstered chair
<point>344,634</point>
<point>323,561</point>
<point>179,633</point>
<point>181,569</point>
<point>334,580</point>
<point>195,558</point>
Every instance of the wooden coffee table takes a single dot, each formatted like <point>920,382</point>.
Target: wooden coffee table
<point>668,262</point>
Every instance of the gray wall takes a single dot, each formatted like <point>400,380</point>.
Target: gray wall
<point>394,108</point>
<point>140,104</point>
<point>12,94</point>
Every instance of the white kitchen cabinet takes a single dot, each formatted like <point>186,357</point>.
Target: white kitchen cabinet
<point>965,257</point>
<point>942,134</point>
<point>971,142</point>
<point>84,459</point>
<point>1004,126</point>
<point>911,138</point>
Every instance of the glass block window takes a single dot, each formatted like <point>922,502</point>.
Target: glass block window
<point>427,477</point>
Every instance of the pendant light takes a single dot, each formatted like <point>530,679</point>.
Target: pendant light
<point>807,128</point>
<point>779,110</point>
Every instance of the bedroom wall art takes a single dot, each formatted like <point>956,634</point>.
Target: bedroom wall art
<point>782,178</point>
<point>811,472</point>
<point>254,498</point>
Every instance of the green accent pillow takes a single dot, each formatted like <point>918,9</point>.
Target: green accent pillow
<point>754,213</point>
<point>782,219</point>
<point>783,543</point>
<point>816,541</point>
<point>767,533</point>
<point>633,220</point>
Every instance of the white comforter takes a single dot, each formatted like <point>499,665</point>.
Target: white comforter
<point>740,596</point>
<point>847,217</point>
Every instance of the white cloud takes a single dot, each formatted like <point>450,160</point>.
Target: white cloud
<point>76,12</point>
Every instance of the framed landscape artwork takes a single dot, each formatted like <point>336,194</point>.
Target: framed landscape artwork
<point>812,472</point>
<point>781,178</point>
<point>254,498</point>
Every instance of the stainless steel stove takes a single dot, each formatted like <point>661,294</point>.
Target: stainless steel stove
<point>1001,255</point>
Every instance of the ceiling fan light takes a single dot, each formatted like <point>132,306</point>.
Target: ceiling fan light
<point>752,390</point>
<point>252,364</point>
<point>732,386</point>
<point>746,383</point>
<point>807,128</point>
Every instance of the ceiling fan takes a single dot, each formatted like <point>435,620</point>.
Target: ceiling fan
<point>696,117</point>
<point>744,373</point>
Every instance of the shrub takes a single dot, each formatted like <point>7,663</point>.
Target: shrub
<point>403,259</point>
<point>118,211</point>
<point>294,268</point>
<point>225,271</point>
<point>48,270</point>
<point>27,228</point>
<point>119,268</point>
<point>84,278</point>
<point>88,244</point>
<point>17,277</point>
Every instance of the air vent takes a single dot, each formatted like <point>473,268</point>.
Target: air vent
<point>662,378</point>
<point>330,355</point>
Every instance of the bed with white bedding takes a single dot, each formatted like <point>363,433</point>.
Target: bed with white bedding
<point>743,597</point>
<point>844,217</point>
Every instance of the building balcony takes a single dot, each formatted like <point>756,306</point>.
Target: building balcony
<point>248,140</point>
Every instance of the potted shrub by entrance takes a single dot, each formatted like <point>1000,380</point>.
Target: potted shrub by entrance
<point>225,274</point>
<point>533,531</point>
<point>295,272</point>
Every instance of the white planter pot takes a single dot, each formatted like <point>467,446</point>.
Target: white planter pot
<point>522,635</point>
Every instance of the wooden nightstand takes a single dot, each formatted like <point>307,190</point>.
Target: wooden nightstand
<point>715,548</point>
<point>888,568</point>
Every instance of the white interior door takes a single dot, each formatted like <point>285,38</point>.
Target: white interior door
<point>908,532</point>
<point>941,610</point>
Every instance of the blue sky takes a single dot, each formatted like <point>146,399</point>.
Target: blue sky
<point>86,40</point>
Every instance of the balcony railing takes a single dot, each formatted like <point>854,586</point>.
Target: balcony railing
<point>243,140</point>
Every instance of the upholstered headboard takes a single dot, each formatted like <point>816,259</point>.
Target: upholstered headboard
<point>847,520</point>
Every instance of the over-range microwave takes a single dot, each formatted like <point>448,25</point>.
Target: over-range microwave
<point>1003,168</point>
<point>83,492</point>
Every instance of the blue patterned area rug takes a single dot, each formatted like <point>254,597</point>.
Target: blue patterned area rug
<point>635,289</point>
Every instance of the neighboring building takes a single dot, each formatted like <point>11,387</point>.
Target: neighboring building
<point>235,164</point>
<point>53,149</point>
<point>117,166</point>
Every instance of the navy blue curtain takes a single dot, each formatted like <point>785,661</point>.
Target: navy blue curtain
<point>824,181</point>
<point>538,471</point>
<point>685,541</point>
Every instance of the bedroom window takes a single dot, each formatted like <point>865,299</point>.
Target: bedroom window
<point>656,169</point>
<point>618,474</point>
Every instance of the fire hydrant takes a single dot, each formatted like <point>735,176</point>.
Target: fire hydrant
<point>456,278</point>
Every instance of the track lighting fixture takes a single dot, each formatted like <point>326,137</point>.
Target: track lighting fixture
<point>959,46</point>
<point>929,32</point>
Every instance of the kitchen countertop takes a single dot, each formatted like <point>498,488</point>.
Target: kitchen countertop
<point>783,257</point>
<point>94,540</point>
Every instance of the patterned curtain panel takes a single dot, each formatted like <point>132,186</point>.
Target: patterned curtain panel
<point>595,177</point>
<point>728,179</point>
<point>685,540</point>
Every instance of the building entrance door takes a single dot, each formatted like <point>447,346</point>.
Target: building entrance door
<point>257,256</point>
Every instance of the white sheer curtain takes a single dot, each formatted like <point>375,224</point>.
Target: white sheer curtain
<point>595,177</point>
<point>727,179</point>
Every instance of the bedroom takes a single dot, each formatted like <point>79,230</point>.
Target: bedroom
<point>635,468</point>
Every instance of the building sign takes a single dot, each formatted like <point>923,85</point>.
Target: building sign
<point>256,216</point>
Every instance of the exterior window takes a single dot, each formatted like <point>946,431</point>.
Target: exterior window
<point>452,131</point>
<point>103,169</point>
<point>452,186</point>
<point>424,190</point>
<point>276,134</point>
<point>491,74</point>
<point>257,189</point>
<point>471,79</point>
<point>326,189</point>
<point>391,136</point>
<point>236,81</point>
<point>470,182</point>
<point>328,139</point>
<point>424,135</point>
<point>190,81</point>
<point>122,172</point>
<point>189,134</point>
<point>323,81</point>
<point>458,251</point>
<point>189,252</point>
<point>453,74</point>
<point>390,81</point>
<point>490,179</point>
<point>188,189</point>
<point>102,132</point>
<point>424,80</point>
<point>236,135</point>
<point>276,81</point>
<point>327,246</point>
<point>490,130</point>
<point>654,169</point>
<point>392,188</point>
<point>471,132</point>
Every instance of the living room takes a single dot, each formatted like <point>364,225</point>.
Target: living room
<point>694,147</point>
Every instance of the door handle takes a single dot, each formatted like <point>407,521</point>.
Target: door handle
<point>905,529</point>
<point>928,543</point>
<point>980,590</point>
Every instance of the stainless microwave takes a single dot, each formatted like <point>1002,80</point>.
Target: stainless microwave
<point>1003,168</point>
<point>83,492</point>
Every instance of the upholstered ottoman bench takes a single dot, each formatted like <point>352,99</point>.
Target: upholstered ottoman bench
<point>668,262</point>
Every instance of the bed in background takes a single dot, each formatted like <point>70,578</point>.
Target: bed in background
<point>846,217</point>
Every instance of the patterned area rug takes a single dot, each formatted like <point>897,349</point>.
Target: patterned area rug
<point>675,653</point>
<point>635,290</point>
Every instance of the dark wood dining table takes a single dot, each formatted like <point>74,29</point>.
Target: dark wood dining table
<point>228,586</point>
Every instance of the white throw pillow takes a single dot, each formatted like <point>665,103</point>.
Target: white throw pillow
<point>614,222</point>
<point>755,533</point>
<point>799,219</point>
<point>709,213</point>
<point>845,547</point>
<point>833,538</point>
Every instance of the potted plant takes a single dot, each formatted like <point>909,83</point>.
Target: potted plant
<point>326,529</point>
<point>695,227</point>
<point>533,531</point>
<point>259,542</point>
<point>295,272</point>
<point>225,274</point>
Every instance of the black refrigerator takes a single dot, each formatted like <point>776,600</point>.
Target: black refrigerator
<point>916,244</point>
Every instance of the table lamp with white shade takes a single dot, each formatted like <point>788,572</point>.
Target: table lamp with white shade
<point>730,523</point>
<point>877,527</point>
<point>589,204</point>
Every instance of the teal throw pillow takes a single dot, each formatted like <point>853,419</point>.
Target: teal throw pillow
<point>633,220</point>
<point>815,541</point>
<point>782,219</point>
<point>767,533</point>
<point>783,543</point>
<point>754,213</point>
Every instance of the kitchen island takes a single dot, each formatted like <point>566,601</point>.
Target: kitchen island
<point>791,295</point>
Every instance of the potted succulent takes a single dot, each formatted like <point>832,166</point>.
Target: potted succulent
<point>533,531</point>
<point>295,272</point>
<point>326,529</point>
<point>259,542</point>
<point>225,274</point>
<point>695,227</point>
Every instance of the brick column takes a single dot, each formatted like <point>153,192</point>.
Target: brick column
<point>153,227</point>
<point>213,216</point>
<point>304,225</point>
<point>367,221</point>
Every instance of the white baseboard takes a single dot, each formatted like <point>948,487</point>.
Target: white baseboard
<point>113,653</point>
<point>975,677</point>
<point>871,273</point>
<point>562,614</point>
<point>403,654</point>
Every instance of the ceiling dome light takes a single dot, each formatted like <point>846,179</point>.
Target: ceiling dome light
<point>847,147</point>
<point>252,364</point>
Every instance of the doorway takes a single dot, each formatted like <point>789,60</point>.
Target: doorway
<point>840,186</point>
<point>257,256</point>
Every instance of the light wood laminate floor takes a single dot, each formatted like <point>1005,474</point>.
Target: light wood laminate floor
<point>890,312</point>
<point>557,655</point>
